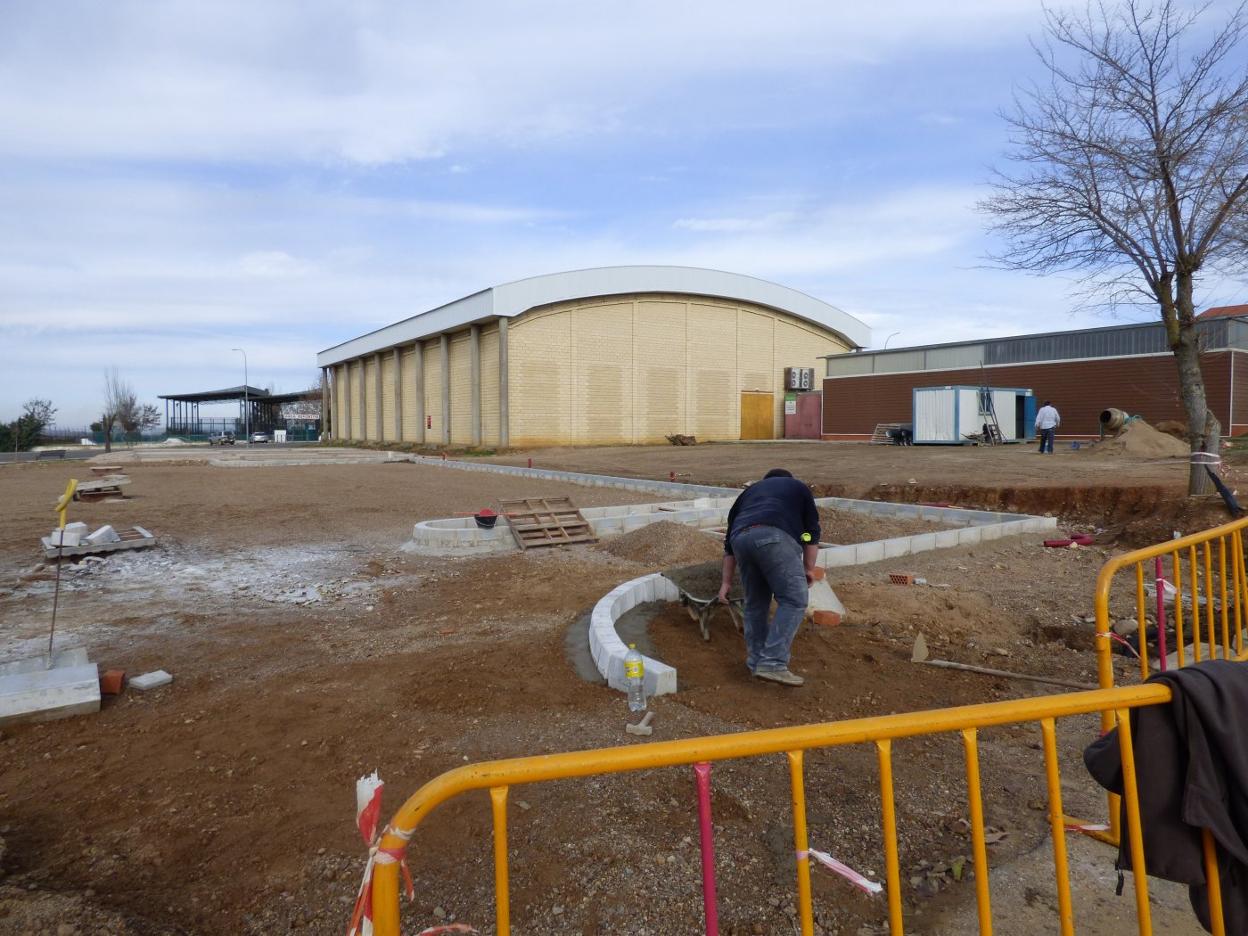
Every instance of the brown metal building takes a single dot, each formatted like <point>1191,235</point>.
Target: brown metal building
<point>1083,372</point>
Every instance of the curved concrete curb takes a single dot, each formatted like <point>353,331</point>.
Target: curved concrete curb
<point>579,477</point>
<point>456,536</point>
<point>605,644</point>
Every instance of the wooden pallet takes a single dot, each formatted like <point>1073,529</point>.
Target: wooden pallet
<point>881,437</point>
<point>546,521</point>
<point>133,538</point>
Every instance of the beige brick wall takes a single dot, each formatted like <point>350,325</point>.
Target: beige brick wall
<point>340,416</point>
<point>357,424</point>
<point>540,368</point>
<point>433,392</point>
<point>489,385</point>
<point>461,389</point>
<point>637,368</point>
<point>387,396</point>
<point>370,398</point>
<point>410,419</point>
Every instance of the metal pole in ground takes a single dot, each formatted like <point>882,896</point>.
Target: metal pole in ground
<point>246,404</point>
<point>710,903</point>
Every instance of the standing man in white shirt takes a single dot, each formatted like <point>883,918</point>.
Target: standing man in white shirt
<point>1047,421</point>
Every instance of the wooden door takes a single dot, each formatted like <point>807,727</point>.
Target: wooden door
<point>757,416</point>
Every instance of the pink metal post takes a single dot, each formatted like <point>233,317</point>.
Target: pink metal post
<point>1161,614</point>
<point>702,773</point>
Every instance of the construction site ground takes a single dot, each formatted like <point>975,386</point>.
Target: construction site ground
<point>308,649</point>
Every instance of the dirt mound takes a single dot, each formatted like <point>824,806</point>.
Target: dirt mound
<point>850,526</point>
<point>1173,427</point>
<point>1141,440</point>
<point>664,544</point>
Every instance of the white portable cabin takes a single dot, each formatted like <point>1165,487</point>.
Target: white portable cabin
<point>947,415</point>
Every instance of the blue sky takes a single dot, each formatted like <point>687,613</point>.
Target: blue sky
<point>179,179</point>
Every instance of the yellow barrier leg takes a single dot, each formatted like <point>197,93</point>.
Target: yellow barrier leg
<point>1131,794</point>
<point>502,889</point>
<point>978,845</point>
<point>386,900</point>
<point>801,842</point>
<point>892,863</point>
<point>1057,826</point>
<point>1213,879</point>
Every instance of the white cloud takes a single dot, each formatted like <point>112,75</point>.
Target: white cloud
<point>387,83</point>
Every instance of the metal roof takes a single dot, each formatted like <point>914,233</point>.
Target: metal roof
<point>512,299</point>
<point>1110,341</point>
<point>218,396</point>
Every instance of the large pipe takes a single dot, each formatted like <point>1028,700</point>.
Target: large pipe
<point>1113,419</point>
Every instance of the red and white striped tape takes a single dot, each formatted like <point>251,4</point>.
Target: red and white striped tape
<point>864,884</point>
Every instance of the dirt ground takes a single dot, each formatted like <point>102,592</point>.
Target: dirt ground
<point>1140,499</point>
<point>308,649</point>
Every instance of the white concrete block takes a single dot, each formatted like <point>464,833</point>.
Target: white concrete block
<point>946,538</point>
<point>72,656</point>
<point>923,542</point>
<point>65,537</point>
<point>991,531</point>
<point>152,680</point>
<point>105,534</point>
<point>897,546</point>
<point>869,552</point>
<point>836,556</point>
<point>77,527</point>
<point>969,536</point>
<point>47,694</point>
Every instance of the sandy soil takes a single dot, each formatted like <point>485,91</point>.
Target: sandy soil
<point>308,649</point>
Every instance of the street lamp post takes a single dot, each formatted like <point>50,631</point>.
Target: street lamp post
<point>890,338</point>
<point>246,405</point>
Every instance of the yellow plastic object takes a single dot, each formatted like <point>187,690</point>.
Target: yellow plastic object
<point>498,776</point>
<point>66,499</point>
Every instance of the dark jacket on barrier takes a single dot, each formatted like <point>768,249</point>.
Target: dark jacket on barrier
<point>1192,773</point>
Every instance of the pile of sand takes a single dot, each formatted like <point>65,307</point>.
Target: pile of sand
<point>664,544</point>
<point>1140,439</point>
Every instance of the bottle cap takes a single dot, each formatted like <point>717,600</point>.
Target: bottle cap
<point>632,646</point>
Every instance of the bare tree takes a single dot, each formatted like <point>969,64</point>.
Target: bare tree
<point>122,408</point>
<point>116,393</point>
<point>1132,167</point>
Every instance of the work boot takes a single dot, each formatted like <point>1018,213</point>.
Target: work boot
<point>783,676</point>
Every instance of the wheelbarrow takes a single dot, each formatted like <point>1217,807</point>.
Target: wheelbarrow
<point>698,586</point>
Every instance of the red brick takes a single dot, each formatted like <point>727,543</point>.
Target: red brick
<point>819,574</point>
<point>901,578</point>
<point>826,618</point>
<point>112,682</point>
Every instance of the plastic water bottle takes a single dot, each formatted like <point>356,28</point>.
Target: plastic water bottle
<point>635,675</point>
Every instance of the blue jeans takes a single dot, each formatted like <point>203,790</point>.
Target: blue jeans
<point>1046,440</point>
<point>770,563</point>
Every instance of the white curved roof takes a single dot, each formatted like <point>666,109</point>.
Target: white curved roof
<point>512,299</point>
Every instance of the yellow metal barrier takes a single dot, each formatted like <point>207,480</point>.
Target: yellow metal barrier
<point>499,776</point>
<point>1211,596</point>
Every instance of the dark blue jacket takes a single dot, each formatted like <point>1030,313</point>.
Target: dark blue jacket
<point>783,503</point>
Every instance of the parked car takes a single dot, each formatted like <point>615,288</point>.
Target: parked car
<point>260,437</point>
<point>221,438</point>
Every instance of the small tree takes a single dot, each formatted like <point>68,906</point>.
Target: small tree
<point>1133,168</point>
<point>24,432</point>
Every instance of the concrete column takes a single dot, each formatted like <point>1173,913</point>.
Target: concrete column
<point>445,343</point>
<point>504,431</point>
<point>418,375</point>
<point>474,352</point>
<point>398,394</point>
<point>346,399</point>
<point>325,410</point>
<point>377,390</point>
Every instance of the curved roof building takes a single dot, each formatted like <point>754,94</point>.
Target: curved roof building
<point>609,355</point>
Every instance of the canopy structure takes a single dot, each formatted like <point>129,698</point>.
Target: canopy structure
<point>258,409</point>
